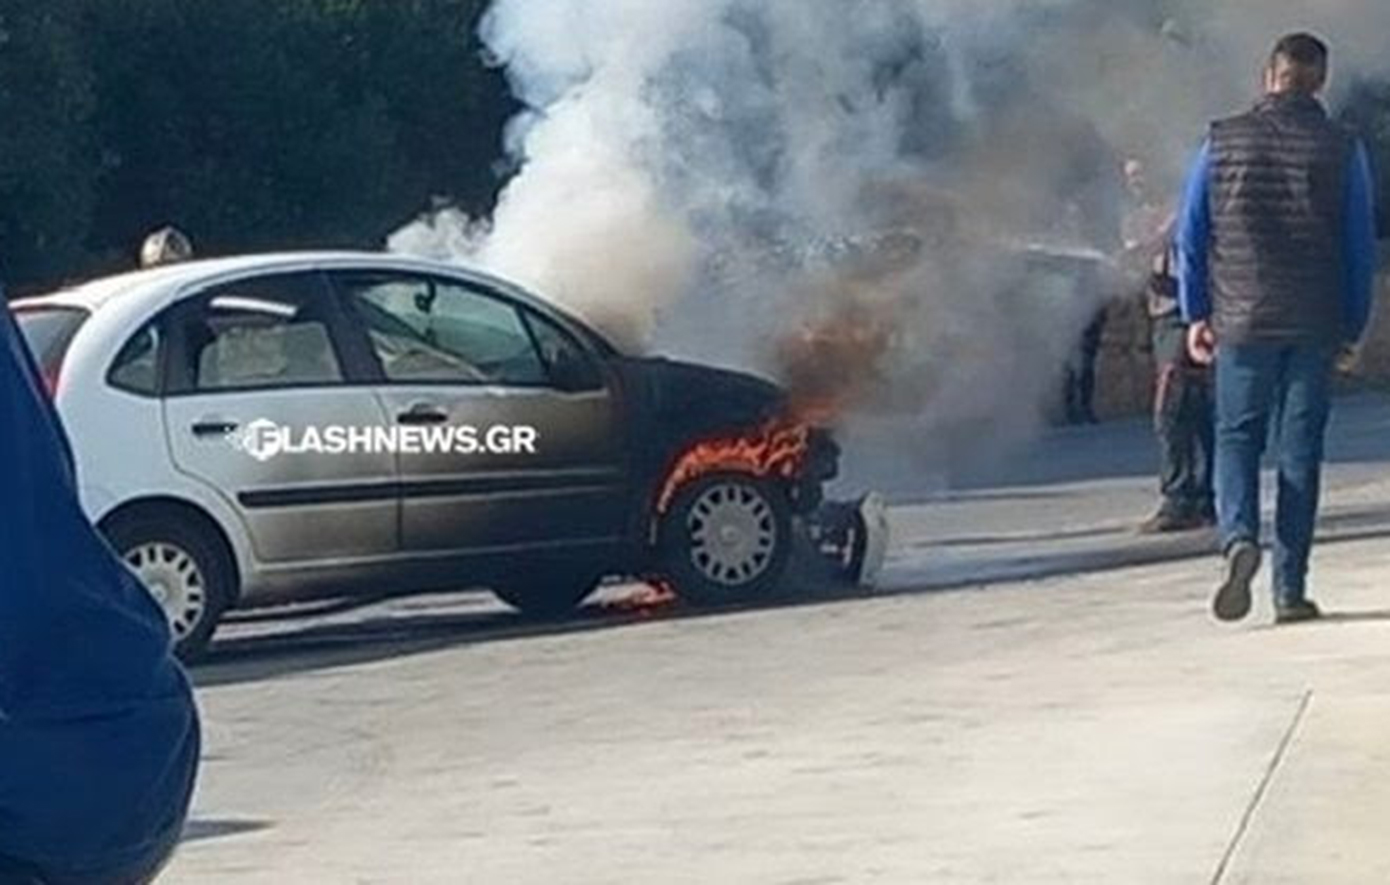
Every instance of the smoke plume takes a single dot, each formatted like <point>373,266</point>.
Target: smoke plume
<point>903,204</point>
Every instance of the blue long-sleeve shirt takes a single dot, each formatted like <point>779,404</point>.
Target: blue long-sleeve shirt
<point>1359,245</point>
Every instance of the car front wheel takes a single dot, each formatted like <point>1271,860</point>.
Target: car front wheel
<point>183,569</point>
<point>726,540</point>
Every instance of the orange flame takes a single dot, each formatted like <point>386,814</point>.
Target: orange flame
<point>654,596</point>
<point>836,363</point>
<point>777,449</point>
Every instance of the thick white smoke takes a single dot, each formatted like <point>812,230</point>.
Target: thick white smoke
<point>707,177</point>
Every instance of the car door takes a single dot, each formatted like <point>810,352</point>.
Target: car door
<point>260,362</point>
<point>454,356</point>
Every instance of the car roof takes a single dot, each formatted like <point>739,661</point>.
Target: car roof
<point>151,289</point>
<point>95,294</point>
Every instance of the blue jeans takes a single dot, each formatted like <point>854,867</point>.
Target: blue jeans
<point>1288,389</point>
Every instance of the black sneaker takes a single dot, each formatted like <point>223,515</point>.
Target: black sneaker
<point>1232,602</point>
<point>1299,612</point>
<point>1168,522</point>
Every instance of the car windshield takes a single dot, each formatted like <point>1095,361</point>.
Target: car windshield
<point>49,332</point>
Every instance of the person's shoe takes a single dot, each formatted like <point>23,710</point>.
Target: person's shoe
<point>1206,518</point>
<point>1168,522</point>
<point>1232,602</point>
<point>1298,612</point>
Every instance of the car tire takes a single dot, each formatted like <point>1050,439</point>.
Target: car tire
<point>726,540</point>
<point>547,595</point>
<point>185,568</point>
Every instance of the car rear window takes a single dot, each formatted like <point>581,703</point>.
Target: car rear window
<point>49,332</point>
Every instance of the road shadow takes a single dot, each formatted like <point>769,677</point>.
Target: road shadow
<point>303,646</point>
<point>1081,534</point>
<point>393,635</point>
<point>319,609</point>
<point>207,829</point>
<point>1364,617</point>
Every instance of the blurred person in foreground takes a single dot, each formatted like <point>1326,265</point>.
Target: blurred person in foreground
<point>1276,268</point>
<point>1184,414</point>
<point>99,735</point>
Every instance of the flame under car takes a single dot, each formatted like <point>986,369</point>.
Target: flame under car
<point>169,381</point>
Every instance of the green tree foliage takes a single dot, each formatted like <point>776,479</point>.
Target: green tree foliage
<point>47,179</point>
<point>254,124</point>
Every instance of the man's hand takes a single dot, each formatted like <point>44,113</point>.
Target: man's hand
<point>1201,343</point>
<point>1349,359</point>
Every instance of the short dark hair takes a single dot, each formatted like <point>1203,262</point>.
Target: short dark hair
<point>1306,50</point>
<point>1306,58</point>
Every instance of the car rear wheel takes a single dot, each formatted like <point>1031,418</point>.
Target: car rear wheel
<point>726,540</point>
<point>185,570</point>
<point>548,594</point>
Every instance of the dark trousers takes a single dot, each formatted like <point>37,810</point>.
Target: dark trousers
<point>1258,385</point>
<point>1081,374</point>
<point>1185,423</point>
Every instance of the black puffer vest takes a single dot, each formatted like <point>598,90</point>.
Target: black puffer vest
<point>1279,179</point>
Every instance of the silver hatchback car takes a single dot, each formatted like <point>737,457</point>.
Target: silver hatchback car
<point>270,428</point>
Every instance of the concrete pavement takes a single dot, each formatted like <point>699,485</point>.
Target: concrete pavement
<point>1066,713</point>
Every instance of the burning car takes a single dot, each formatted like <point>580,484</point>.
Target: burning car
<point>170,382</point>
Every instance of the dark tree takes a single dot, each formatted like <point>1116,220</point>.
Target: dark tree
<point>47,166</point>
<point>291,124</point>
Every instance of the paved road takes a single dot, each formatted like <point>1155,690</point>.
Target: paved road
<point>1061,710</point>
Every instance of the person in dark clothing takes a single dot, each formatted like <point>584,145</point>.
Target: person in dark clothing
<point>1184,414</point>
<point>99,735</point>
<point>1081,374</point>
<point>1277,265</point>
<point>1093,217</point>
<point>1184,411</point>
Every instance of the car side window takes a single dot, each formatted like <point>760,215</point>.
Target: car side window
<point>568,365</point>
<point>263,333</point>
<point>424,330</point>
<point>136,367</point>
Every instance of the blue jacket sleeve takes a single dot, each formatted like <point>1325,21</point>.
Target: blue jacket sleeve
<point>1194,240</point>
<point>1360,245</point>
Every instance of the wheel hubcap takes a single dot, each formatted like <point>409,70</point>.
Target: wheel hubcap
<point>733,534</point>
<point>176,582</point>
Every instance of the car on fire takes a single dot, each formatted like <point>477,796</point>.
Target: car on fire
<point>645,467</point>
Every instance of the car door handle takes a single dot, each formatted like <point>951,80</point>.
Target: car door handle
<point>214,428</point>
<point>422,415</point>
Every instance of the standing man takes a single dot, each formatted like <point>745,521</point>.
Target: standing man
<point>1184,415</point>
<point>1081,371</point>
<point>1095,217</point>
<point>1276,257</point>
